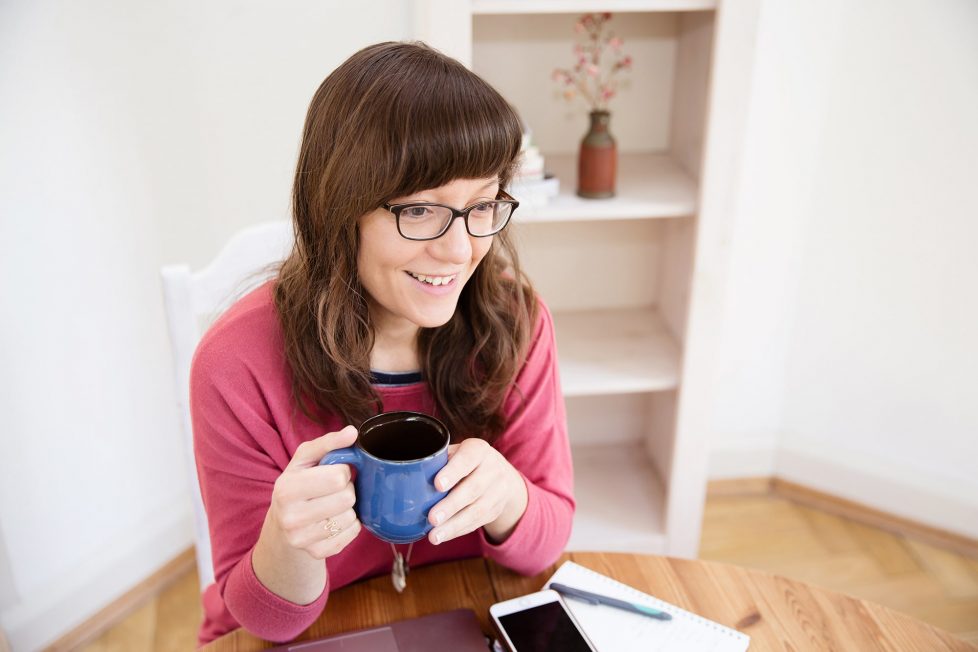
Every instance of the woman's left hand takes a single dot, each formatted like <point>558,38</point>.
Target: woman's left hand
<point>485,490</point>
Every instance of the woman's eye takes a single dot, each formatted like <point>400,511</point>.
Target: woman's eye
<point>484,207</point>
<point>416,211</point>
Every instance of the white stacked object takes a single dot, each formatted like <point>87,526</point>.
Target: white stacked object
<point>530,185</point>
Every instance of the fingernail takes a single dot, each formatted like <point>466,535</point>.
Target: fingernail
<point>442,484</point>
<point>438,516</point>
<point>438,537</point>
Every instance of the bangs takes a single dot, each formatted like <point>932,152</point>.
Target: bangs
<point>445,124</point>
<point>395,119</point>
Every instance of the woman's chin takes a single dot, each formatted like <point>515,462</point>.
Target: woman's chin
<point>434,321</point>
<point>434,316</point>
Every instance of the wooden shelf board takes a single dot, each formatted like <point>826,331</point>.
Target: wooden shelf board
<point>649,186</point>
<point>615,351</point>
<point>620,501</point>
<point>585,6</point>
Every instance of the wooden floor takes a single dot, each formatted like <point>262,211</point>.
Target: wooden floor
<point>775,534</point>
<point>759,531</point>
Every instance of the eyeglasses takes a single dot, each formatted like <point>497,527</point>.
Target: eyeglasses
<point>427,221</point>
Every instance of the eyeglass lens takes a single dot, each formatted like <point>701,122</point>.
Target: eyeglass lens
<point>422,221</point>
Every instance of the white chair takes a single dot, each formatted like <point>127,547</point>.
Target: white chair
<point>193,300</point>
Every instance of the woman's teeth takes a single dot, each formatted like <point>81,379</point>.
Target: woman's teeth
<point>434,280</point>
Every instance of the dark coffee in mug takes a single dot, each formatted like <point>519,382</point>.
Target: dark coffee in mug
<point>401,440</point>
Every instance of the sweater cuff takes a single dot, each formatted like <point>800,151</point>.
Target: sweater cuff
<point>264,613</point>
<point>527,549</point>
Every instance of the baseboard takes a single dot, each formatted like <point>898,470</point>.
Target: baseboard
<point>850,509</point>
<point>131,600</point>
<point>911,491</point>
<point>877,518</point>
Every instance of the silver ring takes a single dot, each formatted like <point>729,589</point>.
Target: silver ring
<point>332,527</point>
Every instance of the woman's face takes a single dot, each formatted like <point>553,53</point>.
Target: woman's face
<point>391,268</point>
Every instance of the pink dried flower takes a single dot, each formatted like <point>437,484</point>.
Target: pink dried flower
<point>595,68</point>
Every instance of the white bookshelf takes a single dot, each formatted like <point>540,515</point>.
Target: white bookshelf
<point>635,282</point>
<point>616,351</point>
<point>649,185</point>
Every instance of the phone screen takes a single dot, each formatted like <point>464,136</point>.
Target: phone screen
<point>543,628</point>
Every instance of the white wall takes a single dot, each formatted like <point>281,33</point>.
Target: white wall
<point>131,135</point>
<point>850,359</point>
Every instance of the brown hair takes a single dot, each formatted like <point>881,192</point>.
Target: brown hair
<point>394,119</point>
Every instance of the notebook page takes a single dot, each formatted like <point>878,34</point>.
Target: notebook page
<point>616,630</point>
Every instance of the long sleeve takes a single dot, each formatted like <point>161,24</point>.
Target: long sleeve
<point>535,443</point>
<point>240,453</point>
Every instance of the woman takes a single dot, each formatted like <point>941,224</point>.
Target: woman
<point>403,292</point>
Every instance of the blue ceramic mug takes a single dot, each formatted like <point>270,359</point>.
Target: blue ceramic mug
<point>397,455</point>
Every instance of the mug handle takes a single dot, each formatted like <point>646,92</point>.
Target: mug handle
<point>349,455</point>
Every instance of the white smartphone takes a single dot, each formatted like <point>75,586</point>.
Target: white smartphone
<point>539,622</point>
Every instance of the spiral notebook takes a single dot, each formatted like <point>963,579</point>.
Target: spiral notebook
<point>615,630</point>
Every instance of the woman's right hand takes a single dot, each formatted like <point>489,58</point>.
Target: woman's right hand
<point>312,505</point>
<point>296,535</point>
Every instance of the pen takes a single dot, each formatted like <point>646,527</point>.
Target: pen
<point>594,598</point>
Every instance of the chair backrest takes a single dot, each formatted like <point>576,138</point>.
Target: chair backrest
<point>192,301</point>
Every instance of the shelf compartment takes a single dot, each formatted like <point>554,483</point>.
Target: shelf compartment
<point>620,501</point>
<point>649,186</point>
<point>585,6</point>
<point>615,351</point>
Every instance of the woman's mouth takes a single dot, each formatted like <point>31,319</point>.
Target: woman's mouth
<point>434,280</point>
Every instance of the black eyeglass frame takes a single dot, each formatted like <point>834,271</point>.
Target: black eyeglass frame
<point>501,196</point>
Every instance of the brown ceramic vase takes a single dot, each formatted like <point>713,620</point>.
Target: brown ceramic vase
<point>598,160</point>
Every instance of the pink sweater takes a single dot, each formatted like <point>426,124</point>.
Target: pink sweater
<point>246,430</point>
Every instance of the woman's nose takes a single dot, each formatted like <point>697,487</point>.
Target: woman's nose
<point>455,245</point>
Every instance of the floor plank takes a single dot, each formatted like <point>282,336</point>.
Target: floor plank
<point>178,616</point>
<point>958,577</point>
<point>136,632</point>
<point>886,549</point>
<point>832,531</point>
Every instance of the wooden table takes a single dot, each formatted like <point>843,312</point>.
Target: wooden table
<point>777,613</point>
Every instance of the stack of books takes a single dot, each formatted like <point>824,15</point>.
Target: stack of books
<point>531,185</point>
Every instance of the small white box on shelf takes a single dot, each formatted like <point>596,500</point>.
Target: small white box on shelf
<point>530,186</point>
<point>538,192</point>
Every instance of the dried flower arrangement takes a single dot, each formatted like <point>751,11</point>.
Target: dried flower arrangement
<point>600,58</point>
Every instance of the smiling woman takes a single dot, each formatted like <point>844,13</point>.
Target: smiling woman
<point>412,283</point>
<point>403,292</point>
